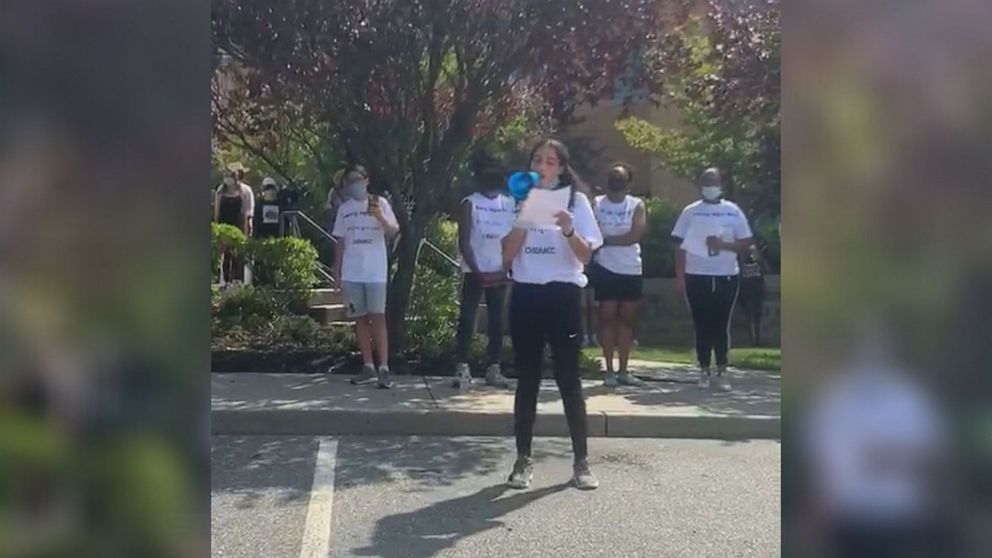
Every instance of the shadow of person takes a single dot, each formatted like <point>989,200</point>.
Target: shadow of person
<point>425,532</point>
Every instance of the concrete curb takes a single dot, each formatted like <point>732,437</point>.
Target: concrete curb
<point>437,422</point>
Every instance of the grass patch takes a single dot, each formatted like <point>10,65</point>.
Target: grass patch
<point>756,358</point>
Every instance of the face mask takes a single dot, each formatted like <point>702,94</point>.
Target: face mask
<point>616,184</point>
<point>228,181</point>
<point>269,196</point>
<point>356,190</point>
<point>712,192</point>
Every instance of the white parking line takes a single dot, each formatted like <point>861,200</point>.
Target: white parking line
<point>317,532</point>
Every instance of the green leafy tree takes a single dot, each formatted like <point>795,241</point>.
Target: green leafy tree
<point>409,87</point>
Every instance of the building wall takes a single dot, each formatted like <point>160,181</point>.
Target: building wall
<point>596,141</point>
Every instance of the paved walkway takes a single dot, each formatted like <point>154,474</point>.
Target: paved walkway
<point>671,406</point>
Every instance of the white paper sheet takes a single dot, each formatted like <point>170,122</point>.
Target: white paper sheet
<point>541,206</point>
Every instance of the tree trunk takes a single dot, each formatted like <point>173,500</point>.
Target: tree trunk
<point>399,289</point>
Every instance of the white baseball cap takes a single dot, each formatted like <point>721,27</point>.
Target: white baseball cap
<point>269,181</point>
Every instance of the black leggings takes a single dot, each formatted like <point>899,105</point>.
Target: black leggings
<point>539,315</point>
<point>471,295</point>
<point>711,302</point>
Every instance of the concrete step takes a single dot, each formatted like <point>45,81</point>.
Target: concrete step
<point>328,314</point>
<point>319,297</point>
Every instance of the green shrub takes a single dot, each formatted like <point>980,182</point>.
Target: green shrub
<point>285,264</point>
<point>224,237</point>
<point>247,307</point>
<point>258,318</point>
<point>432,319</point>
<point>433,314</point>
<point>766,235</point>
<point>657,249</point>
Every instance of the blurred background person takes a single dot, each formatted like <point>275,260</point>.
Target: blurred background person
<point>752,295</point>
<point>268,209</point>
<point>234,204</point>
<point>877,455</point>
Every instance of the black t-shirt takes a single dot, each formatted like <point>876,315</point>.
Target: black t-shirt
<point>267,218</point>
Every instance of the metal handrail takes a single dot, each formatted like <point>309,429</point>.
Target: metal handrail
<point>294,213</point>
<point>424,242</point>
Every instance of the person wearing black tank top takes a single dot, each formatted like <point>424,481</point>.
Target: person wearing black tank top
<point>234,206</point>
<point>546,259</point>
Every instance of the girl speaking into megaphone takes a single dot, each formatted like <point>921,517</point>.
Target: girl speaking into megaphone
<point>554,235</point>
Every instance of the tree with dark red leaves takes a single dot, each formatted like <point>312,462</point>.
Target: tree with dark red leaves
<point>408,87</point>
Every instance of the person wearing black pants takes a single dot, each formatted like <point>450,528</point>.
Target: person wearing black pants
<point>485,217</point>
<point>546,254</point>
<point>710,233</point>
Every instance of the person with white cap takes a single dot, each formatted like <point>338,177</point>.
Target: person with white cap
<point>268,210</point>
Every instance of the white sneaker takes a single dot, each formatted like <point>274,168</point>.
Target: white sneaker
<point>704,380</point>
<point>722,382</point>
<point>366,376</point>
<point>522,474</point>
<point>610,380</point>
<point>495,377</point>
<point>385,379</point>
<point>582,476</point>
<point>463,376</point>
<point>625,378</point>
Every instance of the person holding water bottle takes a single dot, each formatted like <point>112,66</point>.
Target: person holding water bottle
<point>554,235</point>
<point>710,233</point>
<point>362,224</point>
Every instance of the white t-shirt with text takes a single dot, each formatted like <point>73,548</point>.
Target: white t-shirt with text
<point>546,256</point>
<point>724,219</point>
<point>617,219</point>
<point>492,219</point>
<point>364,241</point>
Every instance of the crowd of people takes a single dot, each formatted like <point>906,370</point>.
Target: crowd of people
<point>543,268</point>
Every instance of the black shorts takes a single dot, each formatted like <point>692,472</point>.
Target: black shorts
<point>612,286</point>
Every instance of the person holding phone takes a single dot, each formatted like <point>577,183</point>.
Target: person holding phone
<point>710,233</point>
<point>363,223</point>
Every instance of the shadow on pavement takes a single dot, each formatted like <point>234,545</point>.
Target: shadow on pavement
<point>426,532</point>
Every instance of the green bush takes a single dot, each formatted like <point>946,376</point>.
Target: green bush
<point>247,307</point>
<point>433,314</point>
<point>657,249</point>
<point>224,237</point>
<point>285,264</point>
<point>254,317</point>
<point>766,235</point>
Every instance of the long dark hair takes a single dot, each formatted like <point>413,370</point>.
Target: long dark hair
<point>568,176</point>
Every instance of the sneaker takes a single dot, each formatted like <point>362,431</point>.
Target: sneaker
<point>610,380</point>
<point>625,378</point>
<point>463,376</point>
<point>385,378</point>
<point>367,376</point>
<point>704,380</point>
<point>495,377</point>
<point>583,477</point>
<point>523,473</point>
<point>722,383</point>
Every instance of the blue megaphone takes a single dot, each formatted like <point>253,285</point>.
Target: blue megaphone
<point>520,184</point>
